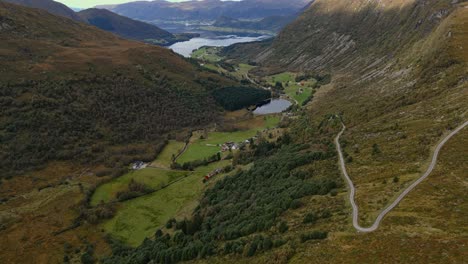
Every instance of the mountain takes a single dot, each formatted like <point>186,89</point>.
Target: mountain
<point>206,10</point>
<point>52,7</point>
<point>126,27</point>
<point>67,87</point>
<point>272,23</point>
<point>399,81</point>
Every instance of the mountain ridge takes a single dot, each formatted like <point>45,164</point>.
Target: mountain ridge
<point>206,9</point>
<point>126,27</point>
<point>53,7</point>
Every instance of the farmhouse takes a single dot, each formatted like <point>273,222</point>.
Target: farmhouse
<point>229,146</point>
<point>138,165</point>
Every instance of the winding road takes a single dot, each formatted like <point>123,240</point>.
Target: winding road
<point>352,189</point>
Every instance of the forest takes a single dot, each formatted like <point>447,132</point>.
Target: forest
<point>235,98</point>
<point>60,120</point>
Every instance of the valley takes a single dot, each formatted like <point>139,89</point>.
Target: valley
<point>335,133</point>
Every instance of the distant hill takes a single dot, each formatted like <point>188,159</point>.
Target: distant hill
<point>109,21</point>
<point>52,7</point>
<point>72,91</point>
<point>208,9</point>
<point>126,27</point>
<point>272,23</point>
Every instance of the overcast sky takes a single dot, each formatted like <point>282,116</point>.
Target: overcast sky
<point>91,3</point>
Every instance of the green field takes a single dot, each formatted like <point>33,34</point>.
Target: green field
<point>293,91</point>
<point>242,70</point>
<point>204,148</point>
<point>151,177</point>
<point>164,159</point>
<point>214,67</point>
<point>207,54</point>
<point>282,77</point>
<point>139,218</point>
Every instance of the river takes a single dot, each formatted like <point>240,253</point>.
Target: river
<point>187,47</point>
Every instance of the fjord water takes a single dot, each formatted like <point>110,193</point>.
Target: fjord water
<point>187,47</point>
<point>273,107</point>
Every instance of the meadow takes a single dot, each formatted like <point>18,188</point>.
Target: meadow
<point>242,70</point>
<point>139,218</point>
<point>151,177</point>
<point>164,159</point>
<point>207,54</point>
<point>204,148</point>
<point>282,77</point>
<point>299,93</point>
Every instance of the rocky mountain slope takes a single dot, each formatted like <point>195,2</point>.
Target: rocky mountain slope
<point>399,81</point>
<point>394,62</point>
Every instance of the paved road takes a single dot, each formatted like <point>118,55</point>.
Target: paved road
<point>401,196</point>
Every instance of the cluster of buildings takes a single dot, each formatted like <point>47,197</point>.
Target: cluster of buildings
<point>138,165</point>
<point>229,146</point>
<point>212,174</point>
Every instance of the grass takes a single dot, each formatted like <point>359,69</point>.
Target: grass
<point>214,67</point>
<point>139,218</point>
<point>282,77</point>
<point>207,54</point>
<point>242,70</point>
<point>204,148</point>
<point>151,177</point>
<point>291,88</point>
<point>164,159</point>
<point>293,91</point>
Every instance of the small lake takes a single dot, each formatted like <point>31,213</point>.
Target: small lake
<point>187,47</point>
<point>273,107</point>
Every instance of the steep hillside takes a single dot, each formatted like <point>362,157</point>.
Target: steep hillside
<point>126,27</point>
<point>68,88</point>
<point>400,82</point>
<point>52,7</point>
<point>208,9</point>
<point>399,72</point>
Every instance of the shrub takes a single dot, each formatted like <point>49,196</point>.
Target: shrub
<point>310,218</point>
<point>315,235</point>
<point>295,204</point>
<point>283,227</point>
